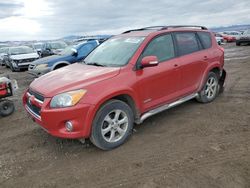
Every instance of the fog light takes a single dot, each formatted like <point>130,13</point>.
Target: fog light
<point>69,126</point>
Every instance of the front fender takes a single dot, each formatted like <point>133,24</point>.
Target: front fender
<point>102,99</point>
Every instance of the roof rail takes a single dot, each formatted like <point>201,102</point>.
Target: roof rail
<point>158,28</point>
<point>145,28</point>
<point>188,26</point>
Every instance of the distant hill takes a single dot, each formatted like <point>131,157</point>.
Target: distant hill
<point>231,28</point>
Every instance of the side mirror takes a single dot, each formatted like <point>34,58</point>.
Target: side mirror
<point>74,52</point>
<point>149,61</point>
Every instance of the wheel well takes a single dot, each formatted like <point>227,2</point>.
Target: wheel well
<point>60,65</point>
<point>216,70</point>
<point>129,101</point>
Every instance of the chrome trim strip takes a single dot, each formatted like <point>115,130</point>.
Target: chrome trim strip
<point>37,100</point>
<point>24,63</point>
<point>32,113</point>
<point>166,106</point>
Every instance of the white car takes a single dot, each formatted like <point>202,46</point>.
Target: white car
<point>219,38</point>
<point>20,57</point>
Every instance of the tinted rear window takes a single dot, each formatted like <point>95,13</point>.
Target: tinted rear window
<point>187,43</point>
<point>205,39</point>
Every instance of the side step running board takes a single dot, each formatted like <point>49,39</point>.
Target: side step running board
<point>166,106</point>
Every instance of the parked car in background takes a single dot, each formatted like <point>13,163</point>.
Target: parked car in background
<point>52,48</point>
<point>244,38</point>
<point>70,55</point>
<point>3,53</point>
<point>3,45</point>
<point>125,80</point>
<point>38,47</point>
<point>20,57</point>
<point>230,36</point>
<point>219,38</point>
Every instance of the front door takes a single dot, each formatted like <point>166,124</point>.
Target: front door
<point>158,85</point>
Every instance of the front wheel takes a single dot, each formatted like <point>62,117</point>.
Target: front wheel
<point>210,90</point>
<point>12,67</point>
<point>112,125</point>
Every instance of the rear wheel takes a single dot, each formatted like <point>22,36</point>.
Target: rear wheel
<point>112,125</point>
<point>210,90</point>
<point>6,108</point>
<point>238,43</point>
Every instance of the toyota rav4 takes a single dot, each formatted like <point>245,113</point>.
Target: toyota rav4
<point>125,80</point>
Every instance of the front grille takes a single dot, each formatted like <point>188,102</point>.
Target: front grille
<point>36,95</point>
<point>35,110</point>
<point>28,60</point>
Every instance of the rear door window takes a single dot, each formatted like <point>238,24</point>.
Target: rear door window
<point>187,43</point>
<point>205,39</point>
<point>162,47</point>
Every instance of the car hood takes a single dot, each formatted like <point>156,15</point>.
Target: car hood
<point>72,77</point>
<point>24,56</point>
<point>57,51</point>
<point>48,59</point>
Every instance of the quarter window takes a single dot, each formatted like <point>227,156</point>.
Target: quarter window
<point>205,39</point>
<point>186,43</point>
<point>162,47</point>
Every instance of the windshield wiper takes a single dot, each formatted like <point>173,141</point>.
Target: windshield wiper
<point>95,64</point>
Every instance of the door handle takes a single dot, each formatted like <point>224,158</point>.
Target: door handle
<point>205,58</point>
<point>175,65</point>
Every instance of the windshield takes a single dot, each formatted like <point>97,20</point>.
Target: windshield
<point>67,51</point>
<point>21,50</point>
<point>114,52</point>
<point>58,45</point>
<point>38,46</point>
<point>3,50</point>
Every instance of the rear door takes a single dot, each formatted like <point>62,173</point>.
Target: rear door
<point>159,84</point>
<point>193,60</point>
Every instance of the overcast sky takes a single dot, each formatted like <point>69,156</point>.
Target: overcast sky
<point>48,19</point>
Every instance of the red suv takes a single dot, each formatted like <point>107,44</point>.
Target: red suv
<point>125,80</point>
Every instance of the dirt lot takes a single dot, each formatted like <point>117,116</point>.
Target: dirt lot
<point>192,145</point>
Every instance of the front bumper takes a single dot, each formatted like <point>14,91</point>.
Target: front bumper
<point>38,72</point>
<point>21,65</point>
<point>53,120</point>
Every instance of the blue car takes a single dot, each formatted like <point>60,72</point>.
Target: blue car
<point>70,55</point>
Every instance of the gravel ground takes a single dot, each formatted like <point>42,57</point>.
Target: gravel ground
<point>192,145</point>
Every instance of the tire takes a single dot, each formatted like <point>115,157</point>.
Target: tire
<point>238,43</point>
<point>107,133</point>
<point>13,69</point>
<point>6,108</point>
<point>210,90</point>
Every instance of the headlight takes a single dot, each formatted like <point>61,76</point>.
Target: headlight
<point>67,99</point>
<point>17,61</point>
<point>41,66</point>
